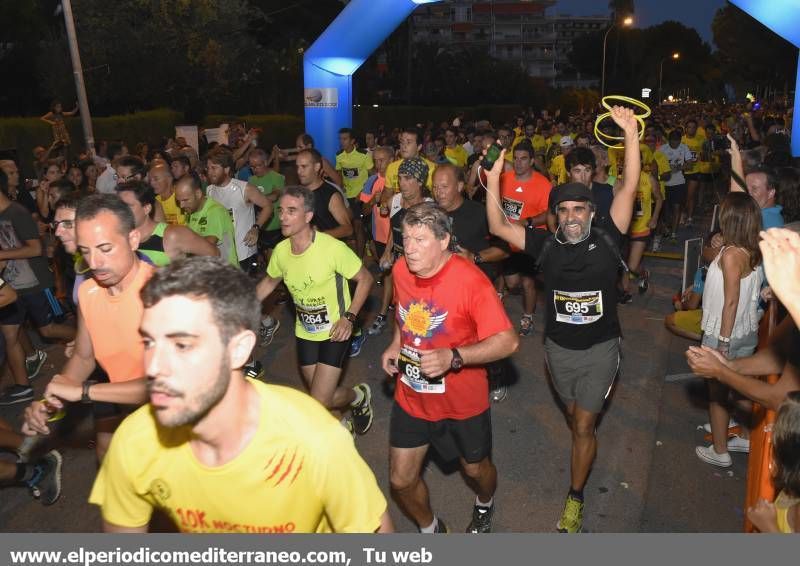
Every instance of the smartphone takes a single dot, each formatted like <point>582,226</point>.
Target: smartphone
<point>492,154</point>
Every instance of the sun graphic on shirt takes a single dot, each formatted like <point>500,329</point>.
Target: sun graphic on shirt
<point>419,319</point>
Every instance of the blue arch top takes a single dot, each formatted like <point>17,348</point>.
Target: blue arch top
<point>782,17</point>
<point>329,64</point>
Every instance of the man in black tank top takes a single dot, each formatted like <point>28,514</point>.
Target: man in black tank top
<point>330,211</point>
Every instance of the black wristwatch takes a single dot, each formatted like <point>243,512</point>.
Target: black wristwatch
<point>350,316</point>
<point>458,361</point>
<point>477,258</point>
<point>85,391</point>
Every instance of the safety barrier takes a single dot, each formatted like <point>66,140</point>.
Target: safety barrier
<point>759,463</point>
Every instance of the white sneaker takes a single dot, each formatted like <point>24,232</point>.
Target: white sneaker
<point>738,444</point>
<point>709,455</point>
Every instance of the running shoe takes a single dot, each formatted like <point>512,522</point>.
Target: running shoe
<point>526,325</point>
<point>45,485</point>
<point>33,365</point>
<point>572,518</point>
<point>481,519</point>
<point>708,455</point>
<point>362,413</point>
<point>377,325</point>
<point>16,394</point>
<point>673,238</point>
<point>656,243</point>
<point>625,299</point>
<point>267,333</point>
<point>738,444</point>
<point>356,343</point>
<point>732,424</point>
<point>254,370</point>
<point>689,222</point>
<point>440,528</point>
<point>644,281</point>
<point>347,423</point>
<point>498,394</point>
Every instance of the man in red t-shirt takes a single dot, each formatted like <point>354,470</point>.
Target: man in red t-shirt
<point>449,324</point>
<point>524,193</point>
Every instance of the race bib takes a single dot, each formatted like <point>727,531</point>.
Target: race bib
<point>694,155</point>
<point>637,207</point>
<point>411,373</point>
<point>512,208</point>
<point>314,319</point>
<point>583,307</point>
<point>349,172</point>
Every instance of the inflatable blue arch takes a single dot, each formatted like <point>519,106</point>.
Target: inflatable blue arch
<point>329,64</point>
<point>782,17</point>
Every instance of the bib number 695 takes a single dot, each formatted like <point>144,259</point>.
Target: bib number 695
<point>574,307</point>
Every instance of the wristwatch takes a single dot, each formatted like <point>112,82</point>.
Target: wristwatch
<point>350,316</point>
<point>458,361</point>
<point>85,391</point>
<point>477,258</point>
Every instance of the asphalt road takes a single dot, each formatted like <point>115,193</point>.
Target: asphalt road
<point>646,478</point>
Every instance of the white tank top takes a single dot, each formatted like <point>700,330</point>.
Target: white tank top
<point>747,315</point>
<point>232,197</point>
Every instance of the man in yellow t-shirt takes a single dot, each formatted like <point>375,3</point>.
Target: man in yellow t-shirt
<point>558,169</point>
<point>695,142</point>
<point>315,268</point>
<point>218,452</point>
<point>410,147</point>
<point>161,180</point>
<point>454,152</point>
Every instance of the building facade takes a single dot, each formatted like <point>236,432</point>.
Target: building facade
<point>521,31</point>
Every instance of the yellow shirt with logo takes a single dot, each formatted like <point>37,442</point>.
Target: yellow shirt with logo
<point>642,206</point>
<point>393,178</point>
<point>695,145</point>
<point>317,281</point>
<point>457,155</point>
<point>354,167</point>
<point>300,473</point>
<point>558,170</point>
<point>172,212</point>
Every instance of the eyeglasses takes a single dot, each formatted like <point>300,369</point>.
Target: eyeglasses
<point>124,179</point>
<point>67,224</point>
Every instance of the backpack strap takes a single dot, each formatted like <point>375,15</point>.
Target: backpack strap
<point>602,236</point>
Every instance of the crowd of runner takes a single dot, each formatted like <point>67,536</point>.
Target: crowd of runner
<point>161,270</point>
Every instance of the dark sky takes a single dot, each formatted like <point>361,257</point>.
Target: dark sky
<point>692,13</point>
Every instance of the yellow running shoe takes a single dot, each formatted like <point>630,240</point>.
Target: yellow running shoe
<point>572,518</point>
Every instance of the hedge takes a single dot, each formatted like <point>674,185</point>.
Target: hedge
<point>154,126</point>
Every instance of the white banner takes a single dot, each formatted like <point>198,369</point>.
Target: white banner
<point>189,133</point>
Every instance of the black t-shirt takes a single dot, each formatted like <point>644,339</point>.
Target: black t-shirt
<point>581,287</point>
<point>396,223</point>
<point>603,195</point>
<point>471,232</point>
<point>323,219</point>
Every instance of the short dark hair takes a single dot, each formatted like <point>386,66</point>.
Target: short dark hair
<point>526,146</point>
<point>143,192</point>
<point>182,159</point>
<point>221,156</point>
<point>347,131</point>
<point>136,164</point>
<point>230,292</point>
<point>69,201</point>
<point>416,131</point>
<point>63,186</point>
<point>307,139</point>
<point>89,207</point>
<point>580,156</point>
<point>771,175</point>
<point>114,149</point>
<point>304,194</point>
<point>315,155</point>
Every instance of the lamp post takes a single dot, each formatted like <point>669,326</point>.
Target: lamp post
<point>627,22</point>
<point>674,56</point>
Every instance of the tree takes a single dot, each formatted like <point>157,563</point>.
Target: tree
<point>750,53</point>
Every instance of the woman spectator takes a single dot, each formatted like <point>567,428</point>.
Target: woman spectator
<point>730,312</point>
<point>90,174</point>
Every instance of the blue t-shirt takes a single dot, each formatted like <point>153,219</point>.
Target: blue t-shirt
<point>771,217</point>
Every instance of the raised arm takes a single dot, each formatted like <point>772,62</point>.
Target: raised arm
<point>737,168</point>
<point>499,225</point>
<point>622,205</point>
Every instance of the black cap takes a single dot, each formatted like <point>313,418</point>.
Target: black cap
<point>570,191</point>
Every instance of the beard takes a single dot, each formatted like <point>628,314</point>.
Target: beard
<point>202,402</point>
<point>579,237</point>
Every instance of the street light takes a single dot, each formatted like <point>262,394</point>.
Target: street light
<point>627,22</point>
<point>674,56</point>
